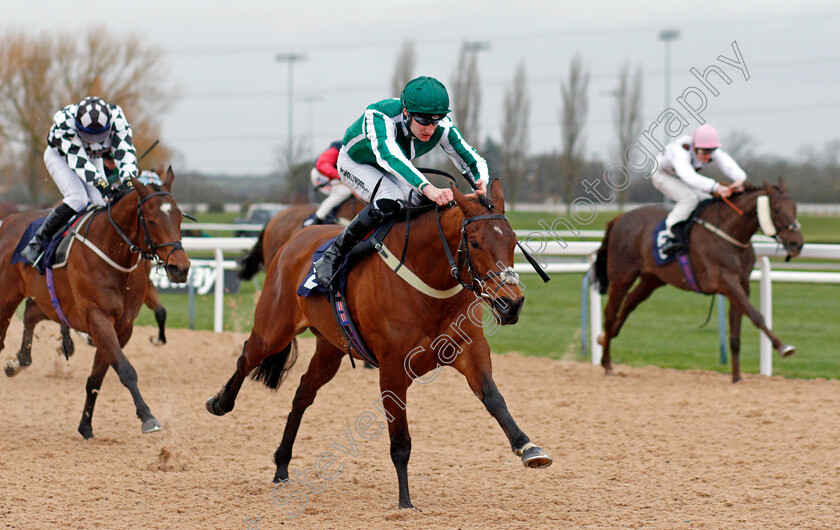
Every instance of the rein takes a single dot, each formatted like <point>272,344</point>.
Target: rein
<point>794,226</point>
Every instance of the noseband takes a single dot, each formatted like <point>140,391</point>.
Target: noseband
<point>151,253</point>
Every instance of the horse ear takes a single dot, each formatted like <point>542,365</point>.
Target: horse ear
<point>767,186</point>
<point>782,185</point>
<point>170,177</point>
<point>140,188</point>
<point>460,198</point>
<point>497,195</point>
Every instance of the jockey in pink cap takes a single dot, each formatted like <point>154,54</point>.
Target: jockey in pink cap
<point>678,178</point>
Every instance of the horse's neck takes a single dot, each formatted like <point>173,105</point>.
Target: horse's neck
<point>741,227</point>
<point>103,234</point>
<point>426,256</point>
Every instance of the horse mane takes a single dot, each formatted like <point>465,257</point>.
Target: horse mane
<point>748,188</point>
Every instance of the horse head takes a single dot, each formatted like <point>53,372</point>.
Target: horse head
<point>783,216</point>
<point>159,221</point>
<point>485,252</point>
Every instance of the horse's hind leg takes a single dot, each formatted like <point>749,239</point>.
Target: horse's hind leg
<point>32,315</point>
<point>475,366</point>
<point>152,302</point>
<point>647,284</point>
<point>67,346</point>
<point>9,301</point>
<point>322,368</point>
<point>254,352</point>
<point>618,290</point>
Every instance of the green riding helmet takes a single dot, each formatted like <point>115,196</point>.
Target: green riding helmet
<point>426,95</point>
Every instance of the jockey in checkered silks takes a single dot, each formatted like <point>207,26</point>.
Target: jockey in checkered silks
<point>81,135</point>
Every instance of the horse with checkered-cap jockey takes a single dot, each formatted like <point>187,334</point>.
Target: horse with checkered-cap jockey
<point>81,136</point>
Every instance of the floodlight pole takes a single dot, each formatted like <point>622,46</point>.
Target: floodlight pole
<point>290,58</point>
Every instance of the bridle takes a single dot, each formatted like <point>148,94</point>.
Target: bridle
<point>501,277</point>
<point>151,245</point>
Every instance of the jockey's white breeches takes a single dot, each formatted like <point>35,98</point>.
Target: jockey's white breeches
<point>76,192</point>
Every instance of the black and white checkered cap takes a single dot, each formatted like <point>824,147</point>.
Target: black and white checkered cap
<point>93,119</point>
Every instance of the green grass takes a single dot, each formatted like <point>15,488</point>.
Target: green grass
<point>664,331</point>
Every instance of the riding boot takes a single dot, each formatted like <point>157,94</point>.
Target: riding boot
<point>327,267</point>
<point>54,222</point>
<point>675,241</point>
<point>312,220</point>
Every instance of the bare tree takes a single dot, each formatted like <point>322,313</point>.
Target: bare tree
<point>404,68</point>
<point>572,118</point>
<point>466,93</point>
<point>627,115</point>
<point>41,74</point>
<point>514,146</point>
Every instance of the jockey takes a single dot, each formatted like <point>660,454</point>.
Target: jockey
<point>147,176</point>
<point>81,135</point>
<point>376,155</point>
<point>678,178</point>
<point>325,178</point>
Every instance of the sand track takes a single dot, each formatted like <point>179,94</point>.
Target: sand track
<point>646,448</point>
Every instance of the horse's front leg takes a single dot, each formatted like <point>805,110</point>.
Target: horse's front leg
<point>322,368</point>
<point>475,366</point>
<point>103,333</point>
<point>393,385</point>
<point>733,290</point>
<point>735,317</point>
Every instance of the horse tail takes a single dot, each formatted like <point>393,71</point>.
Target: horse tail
<point>274,368</point>
<point>601,277</point>
<point>250,263</point>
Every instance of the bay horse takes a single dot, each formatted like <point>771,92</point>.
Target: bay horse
<point>720,253</point>
<point>281,227</point>
<point>101,291</point>
<point>403,336</point>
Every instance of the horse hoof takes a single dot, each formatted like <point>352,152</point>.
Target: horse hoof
<point>150,425</point>
<point>787,350</point>
<point>601,339</point>
<point>535,458</point>
<point>156,341</point>
<point>86,431</point>
<point>12,368</point>
<point>213,407</point>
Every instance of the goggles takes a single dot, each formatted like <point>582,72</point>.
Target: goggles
<point>705,150</point>
<point>427,119</point>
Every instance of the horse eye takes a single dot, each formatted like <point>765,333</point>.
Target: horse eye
<point>473,243</point>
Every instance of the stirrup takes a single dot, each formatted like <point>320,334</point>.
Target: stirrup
<point>671,245</point>
<point>26,254</point>
<point>312,220</point>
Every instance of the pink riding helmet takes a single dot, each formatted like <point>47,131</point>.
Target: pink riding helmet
<point>705,137</point>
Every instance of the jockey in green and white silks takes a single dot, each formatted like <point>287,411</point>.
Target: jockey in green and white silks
<point>380,144</point>
<point>377,153</point>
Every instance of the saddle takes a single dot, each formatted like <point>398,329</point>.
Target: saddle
<point>683,235</point>
<point>685,263</point>
<point>56,249</point>
<point>371,243</point>
<point>310,286</point>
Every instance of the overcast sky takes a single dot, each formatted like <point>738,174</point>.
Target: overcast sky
<point>232,114</point>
